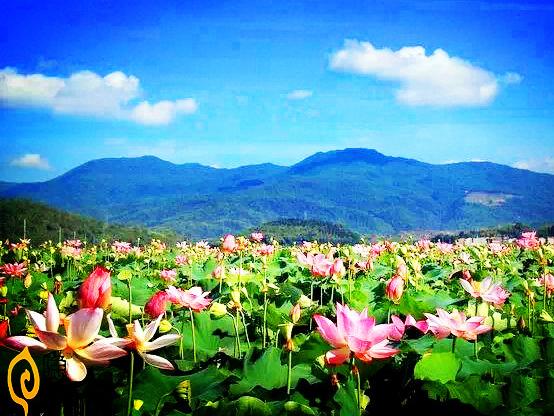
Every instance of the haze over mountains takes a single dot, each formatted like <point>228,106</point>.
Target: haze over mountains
<point>361,188</point>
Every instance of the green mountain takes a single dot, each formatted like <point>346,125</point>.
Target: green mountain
<point>40,223</point>
<point>365,190</point>
<point>290,231</point>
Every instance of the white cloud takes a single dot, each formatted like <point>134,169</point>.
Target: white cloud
<point>162,112</point>
<point>299,94</point>
<point>31,160</point>
<point>545,165</point>
<point>87,93</point>
<point>437,79</point>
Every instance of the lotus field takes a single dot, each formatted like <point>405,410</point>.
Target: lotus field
<point>253,328</point>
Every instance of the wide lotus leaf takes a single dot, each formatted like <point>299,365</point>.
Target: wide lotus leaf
<point>268,372</point>
<point>482,395</point>
<point>437,366</point>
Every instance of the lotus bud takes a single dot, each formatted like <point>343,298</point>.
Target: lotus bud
<point>165,326</point>
<point>395,288</point>
<point>304,301</point>
<point>218,309</point>
<point>219,272</point>
<point>229,244</point>
<point>295,313</point>
<point>96,290</point>
<point>157,304</point>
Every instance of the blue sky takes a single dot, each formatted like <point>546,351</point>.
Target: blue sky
<point>233,83</point>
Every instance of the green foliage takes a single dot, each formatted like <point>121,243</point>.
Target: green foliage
<point>437,366</point>
<point>362,189</point>
<point>44,223</point>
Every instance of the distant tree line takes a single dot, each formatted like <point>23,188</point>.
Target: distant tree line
<point>38,222</point>
<point>293,230</point>
<point>503,231</point>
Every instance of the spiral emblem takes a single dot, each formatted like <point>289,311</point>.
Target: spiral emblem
<point>24,379</point>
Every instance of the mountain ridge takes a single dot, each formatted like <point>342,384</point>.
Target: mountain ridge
<point>361,188</point>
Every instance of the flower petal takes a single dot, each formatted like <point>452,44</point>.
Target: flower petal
<point>75,369</point>
<point>337,356</point>
<point>151,328</point>
<point>83,327</point>
<point>111,326</point>
<point>100,352</point>
<point>37,320</point>
<point>160,342</point>
<point>329,331</point>
<point>19,342</point>
<point>52,340</point>
<point>382,350</point>
<point>52,314</point>
<point>157,361</point>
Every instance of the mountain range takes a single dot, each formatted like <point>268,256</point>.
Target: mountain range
<point>361,188</point>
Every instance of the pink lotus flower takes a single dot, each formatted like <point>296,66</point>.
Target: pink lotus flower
<point>157,304</point>
<point>398,327</point>
<point>139,340</point>
<point>321,266</point>
<point>337,268</point>
<point>466,275</point>
<point>497,248</point>
<point>193,298</point>
<point>168,275</point>
<point>490,292</point>
<point>181,260</point>
<point>96,290</point>
<point>121,247</point>
<point>266,250</point>
<point>306,260</point>
<point>377,249</point>
<point>202,245</point>
<point>219,272</point>
<point>318,264</point>
<point>73,243</point>
<point>444,248</point>
<point>402,270</point>
<point>456,324</point>
<point>549,283</point>
<point>78,345</point>
<point>257,237</point>
<point>364,265</point>
<point>229,244</point>
<point>14,269</point>
<point>395,288</point>
<point>528,241</point>
<point>4,325</point>
<point>423,245</point>
<point>70,251</point>
<point>182,245</point>
<point>354,334</point>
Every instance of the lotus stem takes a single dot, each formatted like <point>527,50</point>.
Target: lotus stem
<point>544,286</point>
<point>130,301</point>
<point>356,373</point>
<point>181,345</point>
<point>131,376</point>
<point>311,298</point>
<point>454,344</point>
<point>245,329</point>
<point>237,340</point>
<point>289,374</point>
<point>193,335</point>
<point>264,331</point>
